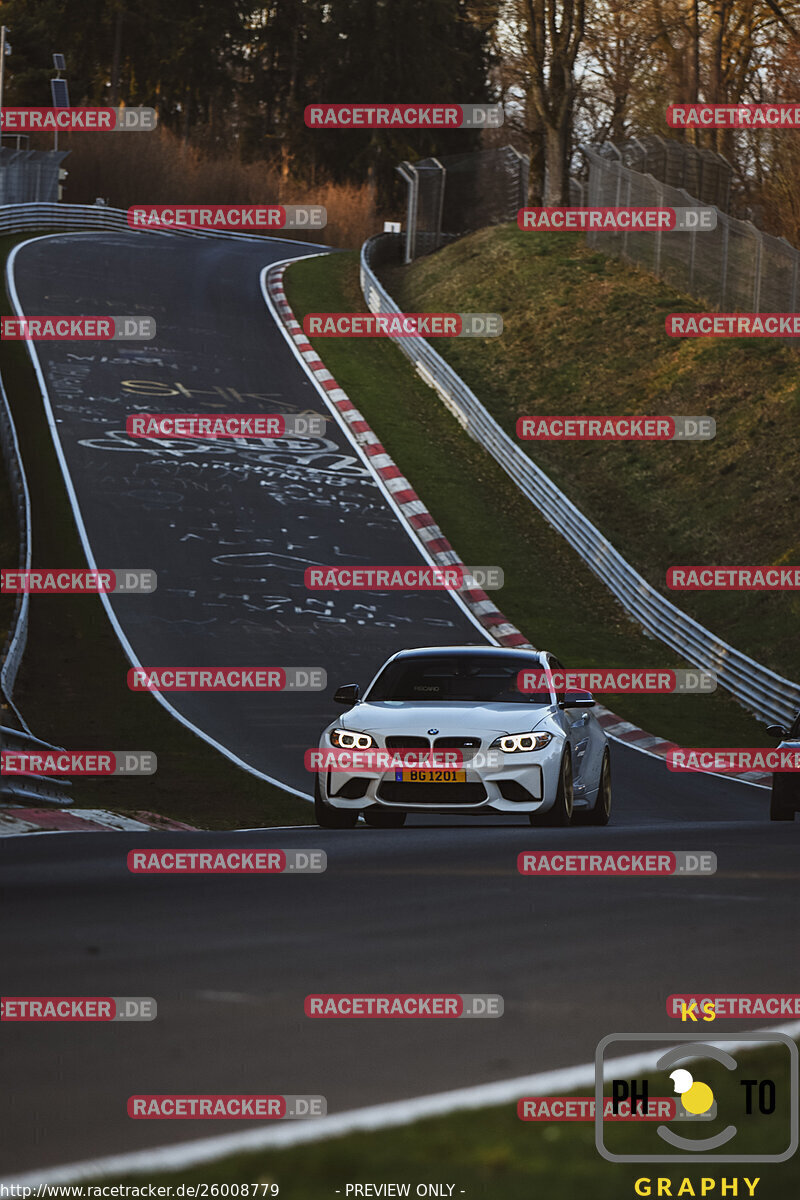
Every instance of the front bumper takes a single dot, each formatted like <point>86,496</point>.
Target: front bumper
<point>525,783</point>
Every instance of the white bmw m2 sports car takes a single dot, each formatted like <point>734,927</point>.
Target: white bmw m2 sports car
<point>555,760</point>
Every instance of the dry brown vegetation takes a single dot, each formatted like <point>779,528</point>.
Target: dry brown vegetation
<point>158,168</point>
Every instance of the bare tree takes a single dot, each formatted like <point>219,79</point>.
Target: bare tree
<point>544,37</point>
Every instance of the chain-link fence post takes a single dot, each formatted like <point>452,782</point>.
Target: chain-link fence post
<point>759,253</point>
<point>724,264</point>
<point>657,240</point>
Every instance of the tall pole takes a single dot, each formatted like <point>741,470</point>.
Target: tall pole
<point>696,64</point>
<point>2,75</point>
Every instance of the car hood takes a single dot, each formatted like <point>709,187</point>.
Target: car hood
<point>410,717</point>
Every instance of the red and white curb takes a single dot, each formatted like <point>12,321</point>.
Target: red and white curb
<point>78,820</point>
<point>428,532</point>
<point>394,482</point>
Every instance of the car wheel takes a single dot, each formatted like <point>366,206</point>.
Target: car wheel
<point>384,818</point>
<point>332,818</point>
<point>601,813</point>
<point>779,810</point>
<point>561,812</point>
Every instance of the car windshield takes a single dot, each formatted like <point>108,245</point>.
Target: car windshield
<point>456,678</point>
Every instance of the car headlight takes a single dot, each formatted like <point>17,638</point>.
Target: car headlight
<point>521,743</point>
<point>348,740</point>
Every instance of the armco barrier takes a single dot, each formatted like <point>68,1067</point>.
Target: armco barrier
<point>16,218</point>
<point>30,789</point>
<point>769,696</point>
<point>18,487</point>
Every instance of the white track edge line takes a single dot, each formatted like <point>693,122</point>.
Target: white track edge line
<point>126,646</point>
<point>377,1116</point>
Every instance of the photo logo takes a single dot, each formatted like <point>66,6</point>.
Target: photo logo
<point>718,1102</point>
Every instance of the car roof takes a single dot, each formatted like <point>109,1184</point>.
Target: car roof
<point>477,650</point>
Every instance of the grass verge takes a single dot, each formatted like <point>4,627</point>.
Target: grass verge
<point>489,1152</point>
<point>584,334</point>
<point>549,593</point>
<point>71,686</point>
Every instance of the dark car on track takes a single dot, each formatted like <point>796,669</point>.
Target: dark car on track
<point>785,799</point>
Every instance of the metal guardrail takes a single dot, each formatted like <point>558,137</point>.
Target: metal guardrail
<point>15,473</point>
<point>27,789</point>
<point>769,696</point>
<point>16,218</point>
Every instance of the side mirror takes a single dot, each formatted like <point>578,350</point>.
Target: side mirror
<point>777,731</point>
<point>348,693</point>
<point>577,700</point>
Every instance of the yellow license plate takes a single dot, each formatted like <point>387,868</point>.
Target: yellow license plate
<point>430,775</point>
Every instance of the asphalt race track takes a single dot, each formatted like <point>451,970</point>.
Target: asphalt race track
<point>228,526</point>
<point>435,908</point>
